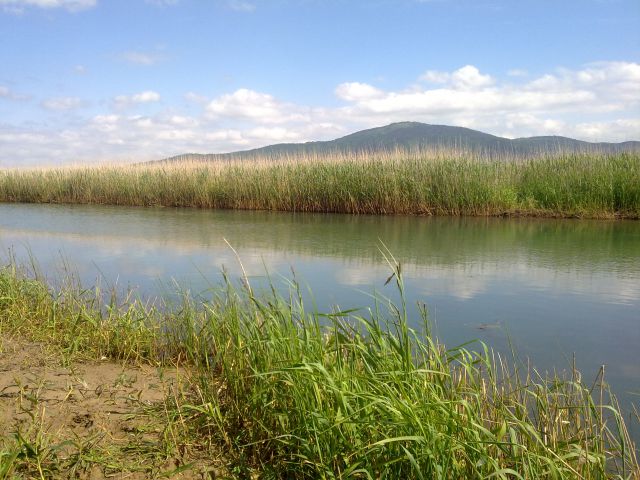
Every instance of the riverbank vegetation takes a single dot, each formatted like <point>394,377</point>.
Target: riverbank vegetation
<point>286,392</point>
<point>436,183</point>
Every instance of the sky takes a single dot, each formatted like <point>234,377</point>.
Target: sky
<point>91,81</point>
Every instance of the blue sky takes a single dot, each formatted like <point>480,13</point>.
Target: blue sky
<point>115,80</point>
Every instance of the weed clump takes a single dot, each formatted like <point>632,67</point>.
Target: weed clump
<point>287,392</point>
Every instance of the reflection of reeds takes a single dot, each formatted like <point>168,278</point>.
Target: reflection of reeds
<point>586,185</point>
<point>295,394</point>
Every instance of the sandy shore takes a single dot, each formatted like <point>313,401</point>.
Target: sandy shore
<point>89,420</point>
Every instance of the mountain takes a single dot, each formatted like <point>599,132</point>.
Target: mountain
<point>415,135</point>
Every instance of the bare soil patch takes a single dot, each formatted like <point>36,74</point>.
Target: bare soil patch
<point>92,420</point>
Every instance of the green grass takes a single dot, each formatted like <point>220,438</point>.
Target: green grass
<point>582,185</point>
<point>291,393</point>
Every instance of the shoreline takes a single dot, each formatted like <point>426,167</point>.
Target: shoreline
<point>263,382</point>
<point>506,215</point>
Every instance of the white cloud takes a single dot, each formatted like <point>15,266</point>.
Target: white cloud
<point>62,103</point>
<point>141,58</point>
<point>617,82</point>
<point>354,91</point>
<point>105,123</point>
<point>469,77</point>
<point>470,98</point>
<point>126,101</point>
<point>229,136</point>
<point>433,104</point>
<point>183,121</point>
<point>18,6</point>
<point>251,105</point>
<point>123,137</point>
<point>274,134</point>
<point>526,125</point>
<point>598,102</point>
<point>146,97</point>
<point>434,76</point>
<point>612,131</point>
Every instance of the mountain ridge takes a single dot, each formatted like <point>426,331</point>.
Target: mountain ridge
<point>416,135</point>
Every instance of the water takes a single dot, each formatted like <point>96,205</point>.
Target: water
<point>551,288</point>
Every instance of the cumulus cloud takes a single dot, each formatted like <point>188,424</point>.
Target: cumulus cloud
<point>62,103</point>
<point>246,104</point>
<point>125,137</point>
<point>126,101</point>
<point>613,82</point>
<point>183,121</point>
<point>467,78</point>
<point>615,130</point>
<point>146,97</point>
<point>434,76</point>
<point>354,91</point>
<point>18,6</point>
<point>468,97</point>
<point>274,134</point>
<point>462,97</point>
<point>598,102</point>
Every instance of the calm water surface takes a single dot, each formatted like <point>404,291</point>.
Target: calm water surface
<point>550,287</point>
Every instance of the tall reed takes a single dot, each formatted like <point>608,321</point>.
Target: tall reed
<point>584,185</point>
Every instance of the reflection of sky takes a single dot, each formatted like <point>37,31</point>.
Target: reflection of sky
<point>466,281</point>
<point>508,278</point>
<point>154,257</point>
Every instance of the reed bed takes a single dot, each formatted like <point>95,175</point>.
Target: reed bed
<point>291,393</point>
<point>422,183</point>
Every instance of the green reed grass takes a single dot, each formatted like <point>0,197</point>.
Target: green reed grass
<point>291,393</point>
<point>585,185</point>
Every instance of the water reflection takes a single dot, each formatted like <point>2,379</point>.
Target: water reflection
<point>459,257</point>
